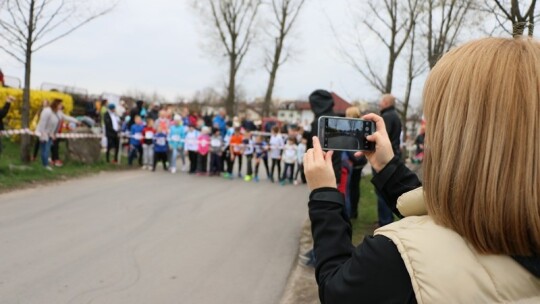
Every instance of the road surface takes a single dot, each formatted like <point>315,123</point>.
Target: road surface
<point>142,237</point>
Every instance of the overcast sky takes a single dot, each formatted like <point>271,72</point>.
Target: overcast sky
<point>159,46</point>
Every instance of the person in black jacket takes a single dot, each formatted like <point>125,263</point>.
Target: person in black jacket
<point>465,205</point>
<point>3,113</point>
<point>112,127</point>
<point>346,274</point>
<point>136,111</point>
<point>322,104</point>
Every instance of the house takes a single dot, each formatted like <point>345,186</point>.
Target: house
<point>299,112</point>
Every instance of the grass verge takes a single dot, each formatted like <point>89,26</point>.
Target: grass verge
<point>367,211</point>
<point>14,174</point>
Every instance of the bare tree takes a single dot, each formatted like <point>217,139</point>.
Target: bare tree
<point>233,25</point>
<point>27,26</point>
<point>521,14</point>
<point>392,22</point>
<point>414,69</point>
<point>444,21</point>
<point>285,14</point>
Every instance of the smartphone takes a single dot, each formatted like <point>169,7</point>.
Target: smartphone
<point>345,134</point>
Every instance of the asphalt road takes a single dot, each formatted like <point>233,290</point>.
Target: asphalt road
<point>142,237</point>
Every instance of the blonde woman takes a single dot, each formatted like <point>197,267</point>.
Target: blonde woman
<point>475,233</point>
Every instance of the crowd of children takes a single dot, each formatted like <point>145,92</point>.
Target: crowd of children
<point>212,152</point>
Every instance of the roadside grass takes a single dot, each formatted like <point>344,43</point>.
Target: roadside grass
<point>14,174</point>
<point>367,211</point>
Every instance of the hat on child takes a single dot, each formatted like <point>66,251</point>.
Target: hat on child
<point>177,117</point>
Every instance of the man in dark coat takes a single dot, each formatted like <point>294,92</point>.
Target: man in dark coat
<point>112,127</point>
<point>393,127</point>
<point>322,104</point>
<point>135,112</point>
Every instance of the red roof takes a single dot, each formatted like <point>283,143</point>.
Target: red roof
<point>340,104</point>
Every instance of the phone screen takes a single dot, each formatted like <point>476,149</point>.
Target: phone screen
<point>345,134</point>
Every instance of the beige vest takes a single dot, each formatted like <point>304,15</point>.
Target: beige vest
<point>444,268</point>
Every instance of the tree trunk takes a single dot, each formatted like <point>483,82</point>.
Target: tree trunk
<point>25,115</point>
<point>269,93</point>
<point>390,74</point>
<point>231,90</point>
<point>272,80</point>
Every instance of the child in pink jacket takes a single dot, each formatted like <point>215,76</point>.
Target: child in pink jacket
<point>204,148</point>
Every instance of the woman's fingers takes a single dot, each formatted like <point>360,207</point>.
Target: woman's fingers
<point>378,120</point>
<point>328,157</point>
<point>318,154</point>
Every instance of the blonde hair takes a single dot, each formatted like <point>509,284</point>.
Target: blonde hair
<point>352,112</point>
<point>482,157</point>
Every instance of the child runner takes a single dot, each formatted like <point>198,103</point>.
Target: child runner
<point>192,147</point>
<point>135,141</point>
<point>176,138</point>
<point>148,144</point>
<point>248,153</point>
<point>301,150</point>
<point>290,152</point>
<point>163,121</point>
<point>216,149</point>
<point>203,149</point>
<point>276,145</point>
<point>226,155</point>
<point>261,154</point>
<point>235,146</point>
<point>160,148</point>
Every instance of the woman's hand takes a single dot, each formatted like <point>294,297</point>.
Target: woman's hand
<point>318,167</point>
<point>383,153</point>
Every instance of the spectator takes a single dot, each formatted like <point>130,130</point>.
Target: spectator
<point>112,127</point>
<point>154,112</point>
<point>203,149</point>
<point>301,150</point>
<point>177,135</point>
<point>261,154</point>
<point>469,237</point>
<point>192,147</point>
<point>236,147</point>
<point>148,144</point>
<point>163,122</point>
<point>322,104</point>
<point>3,113</point>
<point>160,148</point>
<point>419,142</point>
<point>55,146</point>
<point>276,145</point>
<point>102,111</point>
<point>219,122</point>
<point>136,111</point>
<point>135,140</point>
<point>393,127</point>
<point>216,150</point>
<point>290,155</point>
<point>248,149</point>
<point>226,156</point>
<point>33,127</point>
<point>2,80</point>
<point>46,128</point>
